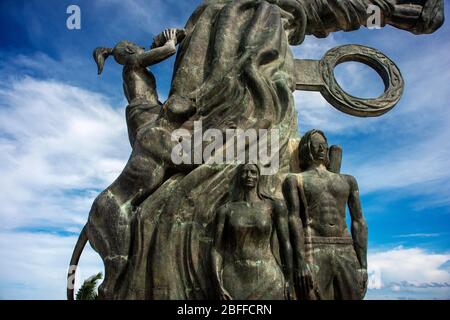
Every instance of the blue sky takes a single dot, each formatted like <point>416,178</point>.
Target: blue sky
<point>63,139</point>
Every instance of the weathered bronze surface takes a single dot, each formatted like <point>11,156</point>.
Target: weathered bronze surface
<point>158,227</point>
<point>329,263</point>
<point>245,265</point>
<point>315,75</point>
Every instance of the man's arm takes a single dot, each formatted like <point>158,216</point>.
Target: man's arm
<point>359,226</point>
<point>416,16</point>
<point>302,273</point>
<point>282,228</point>
<point>294,222</point>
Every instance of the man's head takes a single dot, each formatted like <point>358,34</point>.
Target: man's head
<point>313,149</point>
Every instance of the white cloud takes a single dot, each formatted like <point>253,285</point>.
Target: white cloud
<point>409,146</point>
<point>149,16</point>
<point>34,265</point>
<point>418,235</point>
<point>58,144</point>
<point>313,48</point>
<point>408,272</point>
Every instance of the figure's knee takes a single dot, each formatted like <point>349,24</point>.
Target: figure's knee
<point>104,204</point>
<point>178,108</point>
<point>114,267</point>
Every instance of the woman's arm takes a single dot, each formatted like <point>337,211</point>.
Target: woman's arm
<point>216,253</point>
<point>282,229</point>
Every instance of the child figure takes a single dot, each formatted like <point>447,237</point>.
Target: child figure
<point>108,226</point>
<point>139,84</point>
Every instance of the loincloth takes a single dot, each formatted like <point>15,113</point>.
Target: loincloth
<point>329,240</point>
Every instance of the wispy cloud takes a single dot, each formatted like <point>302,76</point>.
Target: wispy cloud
<point>418,235</point>
<point>34,265</point>
<point>400,269</point>
<point>59,144</point>
<point>406,149</point>
<point>148,16</point>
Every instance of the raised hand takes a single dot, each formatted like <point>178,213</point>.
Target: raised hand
<point>170,35</point>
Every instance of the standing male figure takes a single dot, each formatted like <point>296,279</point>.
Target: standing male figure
<point>329,263</point>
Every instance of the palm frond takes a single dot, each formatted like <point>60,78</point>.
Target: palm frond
<point>88,290</point>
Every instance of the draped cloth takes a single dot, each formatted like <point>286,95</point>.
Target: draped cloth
<point>236,66</point>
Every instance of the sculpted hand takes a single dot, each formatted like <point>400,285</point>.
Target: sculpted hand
<point>363,278</point>
<point>170,35</point>
<point>289,291</point>
<point>223,294</point>
<point>305,280</point>
<point>418,16</point>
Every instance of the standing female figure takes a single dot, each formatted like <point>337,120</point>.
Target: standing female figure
<point>243,261</point>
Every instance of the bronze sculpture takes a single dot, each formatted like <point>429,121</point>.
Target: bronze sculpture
<point>233,69</point>
<point>329,263</point>
<point>244,263</point>
<point>139,84</point>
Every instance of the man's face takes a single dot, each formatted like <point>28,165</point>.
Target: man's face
<point>319,147</point>
<point>249,176</point>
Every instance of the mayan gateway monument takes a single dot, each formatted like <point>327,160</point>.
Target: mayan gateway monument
<point>221,197</point>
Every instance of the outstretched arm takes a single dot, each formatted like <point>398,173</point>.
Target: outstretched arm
<point>416,16</point>
<point>159,54</point>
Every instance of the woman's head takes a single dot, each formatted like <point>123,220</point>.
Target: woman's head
<point>248,176</point>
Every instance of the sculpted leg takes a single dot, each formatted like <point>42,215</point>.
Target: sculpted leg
<point>347,285</point>
<point>322,273</point>
<point>112,212</point>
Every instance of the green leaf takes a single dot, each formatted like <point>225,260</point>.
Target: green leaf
<point>88,290</point>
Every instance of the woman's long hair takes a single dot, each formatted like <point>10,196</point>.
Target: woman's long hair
<point>236,192</point>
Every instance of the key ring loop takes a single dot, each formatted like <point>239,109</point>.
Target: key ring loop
<point>341,100</point>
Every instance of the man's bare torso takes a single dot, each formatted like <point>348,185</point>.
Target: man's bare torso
<point>326,194</point>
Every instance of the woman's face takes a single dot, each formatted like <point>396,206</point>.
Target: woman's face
<point>249,176</point>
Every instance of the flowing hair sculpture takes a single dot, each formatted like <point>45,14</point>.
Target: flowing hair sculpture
<point>100,54</point>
